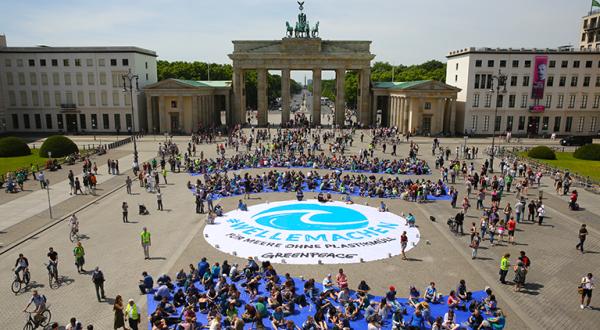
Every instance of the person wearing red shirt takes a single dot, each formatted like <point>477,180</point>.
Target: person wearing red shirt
<point>511,225</point>
<point>341,279</point>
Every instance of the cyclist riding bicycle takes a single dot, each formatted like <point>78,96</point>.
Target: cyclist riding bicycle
<point>53,260</point>
<point>21,265</point>
<point>74,223</point>
<point>40,306</point>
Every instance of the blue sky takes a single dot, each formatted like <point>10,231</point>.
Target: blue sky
<point>402,31</point>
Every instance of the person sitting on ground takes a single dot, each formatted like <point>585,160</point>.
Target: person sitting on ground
<point>453,301</point>
<point>497,322</point>
<point>363,288</point>
<point>391,298</point>
<point>348,199</point>
<point>321,198</point>
<point>166,280</point>
<point>277,318</point>
<point>382,207</point>
<point>343,296</point>
<point>218,209</point>
<point>414,295</point>
<point>461,291</point>
<point>242,206</point>
<point>431,294</point>
<point>146,283</point>
<point>162,292</point>
<point>450,321</point>
<point>410,220</point>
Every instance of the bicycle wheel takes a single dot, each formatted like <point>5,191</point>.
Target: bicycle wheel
<point>16,286</point>
<point>72,236</point>
<point>28,326</point>
<point>26,277</point>
<point>47,316</point>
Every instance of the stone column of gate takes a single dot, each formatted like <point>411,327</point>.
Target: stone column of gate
<point>285,95</point>
<point>453,116</point>
<point>440,113</point>
<point>227,109</point>
<point>391,113</point>
<point>374,108</point>
<point>340,103</point>
<point>316,103</point>
<point>400,121</point>
<point>162,115</point>
<point>365,113</point>
<point>407,110</point>
<point>238,113</point>
<point>195,118</point>
<point>149,112</point>
<point>261,93</point>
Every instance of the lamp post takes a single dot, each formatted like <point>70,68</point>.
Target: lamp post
<point>500,83</point>
<point>130,77</point>
<point>47,184</point>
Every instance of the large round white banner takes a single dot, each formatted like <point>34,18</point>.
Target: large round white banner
<point>310,232</point>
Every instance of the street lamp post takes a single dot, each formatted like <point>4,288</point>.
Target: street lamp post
<point>47,184</point>
<point>130,77</point>
<point>500,83</point>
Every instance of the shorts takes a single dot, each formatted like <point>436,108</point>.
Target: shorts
<point>511,233</point>
<point>586,293</point>
<point>404,244</point>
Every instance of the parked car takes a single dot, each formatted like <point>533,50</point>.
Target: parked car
<point>576,140</point>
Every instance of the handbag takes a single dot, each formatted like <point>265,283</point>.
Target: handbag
<point>580,289</point>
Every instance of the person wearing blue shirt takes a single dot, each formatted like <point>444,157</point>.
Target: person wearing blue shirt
<point>146,283</point>
<point>162,292</point>
<point>203,266</point>
<point>242,206</point>
<point>215,270</point>
<point>417,321</point>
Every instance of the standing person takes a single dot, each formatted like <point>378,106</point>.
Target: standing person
<point>128,184</point>
<point>511,225</point>
<point>582,236</point>
<point>118,307</point>
<point>504,265</point>
<point>520,273</point>
<point>541,211</point>
<point>98,279</point>
<point>125,208</point>
<point>79,254</point>
<point>587,285</point>
<point>460,219</point>
<point>475,245</point>
<point>531,207</point>
<point>78,186</point>
<point>159,200</point>
<point>209,201</point>
<point>403,244</point>
<point>133,315</point>
<point>519,208</point>
<point>146,242</point>
<point>199,204</point>
<point>71,177</point>
<point>164,175</point>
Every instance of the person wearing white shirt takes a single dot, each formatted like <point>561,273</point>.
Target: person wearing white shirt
<point>587,285</point>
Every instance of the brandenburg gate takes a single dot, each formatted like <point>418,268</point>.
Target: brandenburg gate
<point>301,49</point>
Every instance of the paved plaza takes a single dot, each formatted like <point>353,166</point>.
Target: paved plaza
<point>549,301</point>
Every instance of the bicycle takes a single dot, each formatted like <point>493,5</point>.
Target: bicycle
<point>18,283</point>
<point>33,324</point>
<point>74,235</point>
<point>52,275</point>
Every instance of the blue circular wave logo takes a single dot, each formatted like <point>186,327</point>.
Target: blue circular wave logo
<point>307,217</point>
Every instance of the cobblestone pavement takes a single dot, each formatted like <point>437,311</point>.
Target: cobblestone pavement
<point>550,301</point>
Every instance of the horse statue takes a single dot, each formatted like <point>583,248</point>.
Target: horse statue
<point>289,30</point>
<point>306,30</point>
<point>315,31</point>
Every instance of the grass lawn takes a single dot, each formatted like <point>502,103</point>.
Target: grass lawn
<point>9,164</point>
<point>565,160</point>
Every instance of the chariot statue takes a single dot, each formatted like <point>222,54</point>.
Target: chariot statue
<point>302,27</point>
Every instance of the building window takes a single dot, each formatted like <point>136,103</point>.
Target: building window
<point>46,97</point>
<point>562,81</point>
<point>515,63</point>
<point>588,64</point>
<point>77,62</point>
<point>586,81</point>
<point>44,79</point>
<point>35,98</point>
<point>521,123</point>
<point>66,62</point>
<point>513,80</point>
<point>499,100</point>
<point>59,121</point>
<point>103,78</point>
<point>525,81</point>
<point>31,62</point>
<point>21,78</point>
<point>561,100</point>
<point>37,118</point>
<point>125,62</point>
<point>488,84</point>
<point>104,98</point>
<point>23,97</point>
<point>67,79</point>
<point>476,81</point>
<point>427,106</point>
<point>82,123</point>
<point>490,63</point>
<point>584,99</point>
<point>598,81</point>
<point>115,98</point>
<point>545,123</point>
<point>574,81</point>
<point>117,122</point>
<point>173,104</point>
<point>105,123</point>
<point>42,62</point>
<point>477,63</point>
<point>575,64</point>
<point>54,62</point>
<point>55,79</point>
<point>511,100</point>
<point>509,123</point>
<point>147,65</point>
<point>94,121</point>
<point>9,79</point>
<point>7,62</point>
<point>524,101</point>
<point>475,100</point>
<point>128,121</point>
<point>57,99</point>
<point>12,98</point>
<point>15,121</point>
<point>48,121</point>
<point>26,123</point>
<point>571,101</point>
<point>80,101</point>
<point>33,78</point>
<point>552,64</point>
<point>497,123</point>
<point>486,123</point>
<point>596,101</point>
<point>92,97</point>
<point>564,64</point>
<point>527,64</point>
<point>557,121</point>
<point>580,124</point>
<point>503,63</point>
<point>593,124</point>
<point>473,123</point>
<point>101,62</point>
<point>89,62</point>
<point>113,62</point>
<point>550,81</point>
<point>568,124</point>
<point>548,100</point>
<point>455,77</point>
<point>488,100</point>
<point>79,78</point>
<point>90,78</point>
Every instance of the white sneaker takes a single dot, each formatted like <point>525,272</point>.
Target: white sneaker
<point>582,307</point>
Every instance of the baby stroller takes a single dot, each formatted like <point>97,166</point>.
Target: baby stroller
<point>143,210</point>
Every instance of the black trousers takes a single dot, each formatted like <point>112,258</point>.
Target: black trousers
<point>580,245</point>
<point>99,290</point>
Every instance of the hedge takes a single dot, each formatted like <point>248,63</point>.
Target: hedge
<point>59,145</point>
<point>588,152</point>
<point>541,152</point>
<point>13,146</point>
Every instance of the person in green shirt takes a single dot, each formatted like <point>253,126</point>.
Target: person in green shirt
<point>146,242</point>
<point>79,254</point>
<point>504,265</point>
